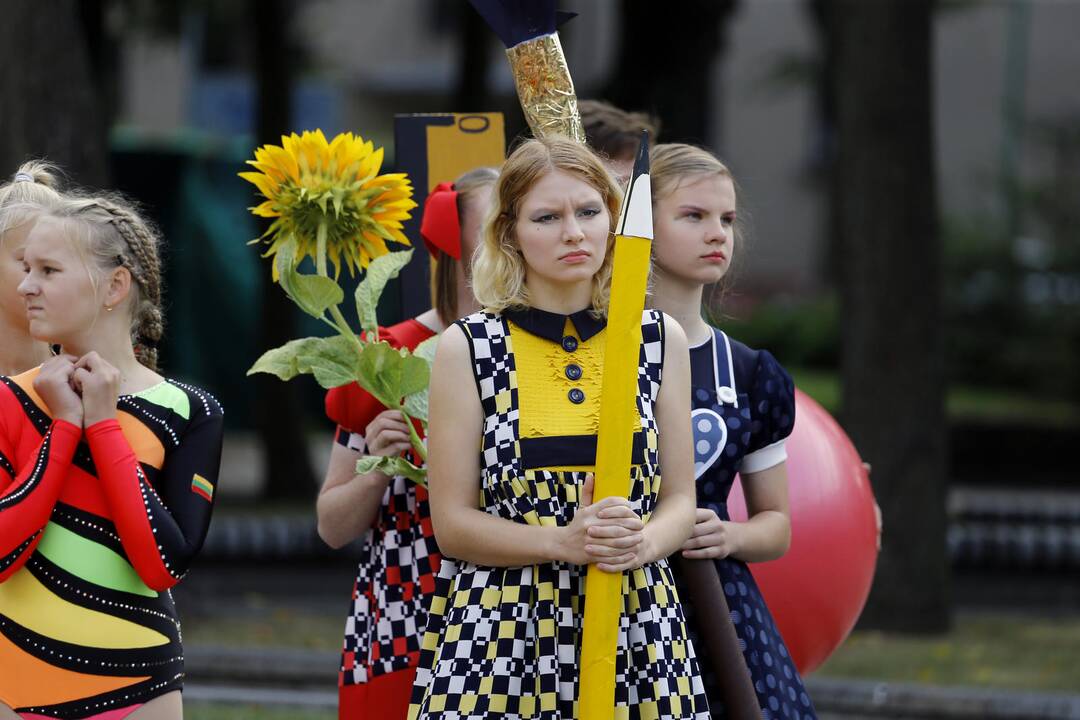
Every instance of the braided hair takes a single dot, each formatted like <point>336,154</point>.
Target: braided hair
<point>112,234</point>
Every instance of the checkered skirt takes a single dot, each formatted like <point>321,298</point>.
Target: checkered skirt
<point>505,641</point>
<point>398,564</point>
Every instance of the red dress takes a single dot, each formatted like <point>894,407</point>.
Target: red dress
<point>398,565</point>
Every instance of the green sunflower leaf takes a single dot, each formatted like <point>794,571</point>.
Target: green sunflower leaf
<point>379,372</point>
<point>415,375</point>
<point>416,405</point>
<point>332,360</point>
<point>381,270</point>
<point>426,349</point>
<point>314,294</point>
<point>391,466</point>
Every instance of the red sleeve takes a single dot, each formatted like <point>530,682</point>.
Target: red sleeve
<point>160,538</point>
<point>351,406</point>
<point>29,493</point>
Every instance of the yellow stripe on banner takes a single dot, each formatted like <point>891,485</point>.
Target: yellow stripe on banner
<point>27,602</point>
<point>474,139</point>
<point>618,422</point>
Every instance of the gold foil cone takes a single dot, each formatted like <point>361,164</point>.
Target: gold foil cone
<point>545,88</point>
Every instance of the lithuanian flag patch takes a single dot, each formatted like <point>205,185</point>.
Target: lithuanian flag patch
<point>202,487</point>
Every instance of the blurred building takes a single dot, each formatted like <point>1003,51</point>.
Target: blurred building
<point>1004,74</point>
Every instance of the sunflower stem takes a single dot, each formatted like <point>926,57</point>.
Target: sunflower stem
<point>417,444</point>
<point>339,322</point>
<point>320,249</point>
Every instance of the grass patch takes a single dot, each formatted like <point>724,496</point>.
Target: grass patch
<point>961,403</point>
<point>268,627</point>
<point>222,711</point>
<point>983,649</point>
<point>986,650</point>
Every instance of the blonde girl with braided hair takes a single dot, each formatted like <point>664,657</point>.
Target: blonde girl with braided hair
<point>33,185</point>
<point>107,478</point>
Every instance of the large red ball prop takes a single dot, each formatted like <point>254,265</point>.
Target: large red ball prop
<point>817,590</point>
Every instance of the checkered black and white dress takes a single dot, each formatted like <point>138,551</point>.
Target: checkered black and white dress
<point>505,641</point>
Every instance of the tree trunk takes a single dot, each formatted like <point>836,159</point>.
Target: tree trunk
<point>287,468</point>
<point>474,44</point>
<point>49,92</point>
<point>665,65</point>
<point>892,361</point>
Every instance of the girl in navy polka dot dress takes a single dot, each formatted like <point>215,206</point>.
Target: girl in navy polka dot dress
<point>743,408</point>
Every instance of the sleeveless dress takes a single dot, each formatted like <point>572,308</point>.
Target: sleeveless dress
<point>505,641</point>
<point>743,409</point>
<point>95,526</point>
<point>399,560</point>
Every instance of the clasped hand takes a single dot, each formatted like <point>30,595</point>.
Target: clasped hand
<point>713,538</point>
<point>608,533</point>
<point>82,391</point>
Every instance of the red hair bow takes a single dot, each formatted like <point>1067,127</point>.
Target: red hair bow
<point>441,227</point>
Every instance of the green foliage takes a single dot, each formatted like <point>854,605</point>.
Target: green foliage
<point>333,360</point>
<point>1012,298</point>
<point>982,650</point>
<point>314,294</point>
<point>391,466</point>
<point>417,403</point>
<point>1009,321</point>
<point>397,378</point>
<point>382,270</point>
<point>426,349</point>
<point>805,334</point>
<point>391,375</point>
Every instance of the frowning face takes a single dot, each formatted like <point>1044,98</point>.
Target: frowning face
<point>562,228</point>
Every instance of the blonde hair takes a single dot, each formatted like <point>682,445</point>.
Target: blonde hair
<point>109,233</point>
<point>36,187</point>
<point>672,163</point>
<point>444,282</point>
<point>498,266</point>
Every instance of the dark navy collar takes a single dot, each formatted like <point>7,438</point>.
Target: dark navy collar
<point>550,326</point>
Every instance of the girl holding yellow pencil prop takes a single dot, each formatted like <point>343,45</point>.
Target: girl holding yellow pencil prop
<point>512,438</point>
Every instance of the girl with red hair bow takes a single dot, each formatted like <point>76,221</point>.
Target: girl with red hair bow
<point>399,558</point>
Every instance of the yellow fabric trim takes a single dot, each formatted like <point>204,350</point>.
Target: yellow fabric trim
<point>27,602</point>
<point>568,468</point>
<point>544,406</point>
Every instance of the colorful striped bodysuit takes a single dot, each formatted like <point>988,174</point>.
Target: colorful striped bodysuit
<point>95,527</point>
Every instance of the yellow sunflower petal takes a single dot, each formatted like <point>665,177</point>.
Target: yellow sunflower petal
<point>267,186</point>
<point>284,160</point>
<point>372,162</point>
<point>266,210</point>
<point>307,181</point>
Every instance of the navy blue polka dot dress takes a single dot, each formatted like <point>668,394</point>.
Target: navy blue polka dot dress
<point>743,409</point>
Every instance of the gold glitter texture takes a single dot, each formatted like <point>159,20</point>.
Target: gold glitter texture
<point>545,88</point>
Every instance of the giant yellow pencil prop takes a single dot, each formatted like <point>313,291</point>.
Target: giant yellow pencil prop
<point>619,421</point>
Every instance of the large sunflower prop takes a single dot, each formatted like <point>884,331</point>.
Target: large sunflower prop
<point>329,199</point>
<point>329,203</point>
